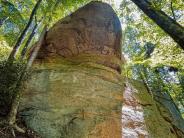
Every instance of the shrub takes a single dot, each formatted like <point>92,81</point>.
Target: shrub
<point>9,74</point>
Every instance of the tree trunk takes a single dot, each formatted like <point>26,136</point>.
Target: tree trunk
<point>20,39</point>
<point>169,25</point>
<point>23,53</point>
<point>17,90</point>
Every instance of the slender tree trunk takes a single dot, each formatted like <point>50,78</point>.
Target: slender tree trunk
<point>28,41</point>
<point>2,21</point>
<point>15,104</point>
<point>20,39</point>
<point>172,10</point>
<point>13,112</point>
<point>143,76</point>
<point>38,46</point>
<point>169,25</point>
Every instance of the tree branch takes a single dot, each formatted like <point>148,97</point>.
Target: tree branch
<point>169,25</point>
<point>172,10</point>
<point>20,39</point>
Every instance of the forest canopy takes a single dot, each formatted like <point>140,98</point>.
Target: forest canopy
<point>152,54</point>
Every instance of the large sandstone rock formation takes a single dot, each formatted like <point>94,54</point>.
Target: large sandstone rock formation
<point>92,30</point>
<point>76,90</point>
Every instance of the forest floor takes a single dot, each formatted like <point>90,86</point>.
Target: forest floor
<point>6,131</point>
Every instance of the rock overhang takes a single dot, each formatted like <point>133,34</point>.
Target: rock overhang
<point>92,31</point>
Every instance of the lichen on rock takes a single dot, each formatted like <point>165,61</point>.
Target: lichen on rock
<point>76,88</point>
<point>144,117</point>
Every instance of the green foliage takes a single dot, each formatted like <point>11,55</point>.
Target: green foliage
<point>4,50</point>
<point>14,16</point>
<point>143,30</point>
<point>13,24</point>
<point>9,74</point>
<point>152,56</point>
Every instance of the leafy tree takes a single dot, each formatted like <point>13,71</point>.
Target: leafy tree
<point>20,39</point>
<point>169,25</point>
<point>152,56</point>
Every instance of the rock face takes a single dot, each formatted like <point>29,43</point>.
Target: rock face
<point>76,90</point>
<point>145,117</point>
<point>93,29</point>
<point>71,100</point>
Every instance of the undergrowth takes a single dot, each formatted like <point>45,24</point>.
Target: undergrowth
<point>9,74</point>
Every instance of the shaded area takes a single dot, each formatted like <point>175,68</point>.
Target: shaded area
<point>145,117</point>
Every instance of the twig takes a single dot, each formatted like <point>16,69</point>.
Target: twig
<point>172,10</point>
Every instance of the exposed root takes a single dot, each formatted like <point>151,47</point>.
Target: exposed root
<point>18,129</point>
<point>12,128</point>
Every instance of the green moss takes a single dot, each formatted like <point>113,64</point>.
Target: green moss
<point>154,113</point>
<point>71,98</point>
<point>9,74</point>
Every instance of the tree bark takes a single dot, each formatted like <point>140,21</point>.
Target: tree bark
<point>37,47</point>
<point>15,104</point>
<point>172,10</point>
<point>169,25</point>
<point>20,39</point>
<point>28,41</point>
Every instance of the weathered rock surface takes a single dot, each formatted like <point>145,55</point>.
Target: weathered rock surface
<point>76,91</point>
<point>93,29</point>
<point>145,117</point>
<point>73,101</point>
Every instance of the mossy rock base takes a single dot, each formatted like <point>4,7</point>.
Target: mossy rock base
<point>144,117</point>
<point>73,100</point>
<point>69,99</point>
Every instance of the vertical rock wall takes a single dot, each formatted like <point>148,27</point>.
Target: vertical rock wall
<point>145,117</point>
<point>66,99</point>
<point>76,90</point>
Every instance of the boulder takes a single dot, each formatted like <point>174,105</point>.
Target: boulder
<point>76,89</point>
